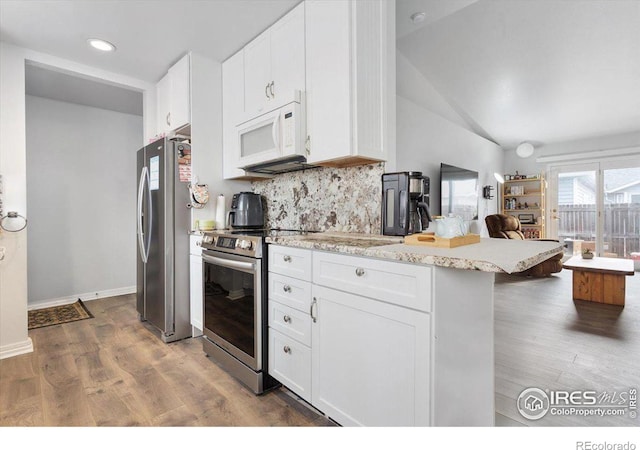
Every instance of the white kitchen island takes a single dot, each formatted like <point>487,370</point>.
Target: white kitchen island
<point>377,333</point>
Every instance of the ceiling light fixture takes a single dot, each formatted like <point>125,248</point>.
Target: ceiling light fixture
<point>524,150</point>
<point>101,44</point>
<point>417,17</point>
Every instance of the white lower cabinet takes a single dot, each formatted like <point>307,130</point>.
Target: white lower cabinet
<point>370,361</point>
<point>195,284</point>
<point>372,342</point>
<point>290,363</point>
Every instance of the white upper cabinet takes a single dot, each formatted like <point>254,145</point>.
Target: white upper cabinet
<point>180,107</point>
<point>287,56</point>
<point>257,63</point>
<point>350,82</point>
<point>232,110</point>
<point>163,92</point>
<point>274,64</point>
<point>174,97</point>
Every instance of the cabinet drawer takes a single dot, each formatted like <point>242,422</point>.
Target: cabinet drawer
<point>291,322</point>
<point>292,262</point>
<point>290,363</point>
<point>290,291</point>
<point>407,285</point>
<point>194,245</point>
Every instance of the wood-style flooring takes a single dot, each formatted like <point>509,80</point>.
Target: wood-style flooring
<point>545,339</point>
<point>113,371</point>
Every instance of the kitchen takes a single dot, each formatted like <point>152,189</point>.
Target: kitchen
<point>202,121</point>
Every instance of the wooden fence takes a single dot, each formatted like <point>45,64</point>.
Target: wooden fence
<point>621,226</point>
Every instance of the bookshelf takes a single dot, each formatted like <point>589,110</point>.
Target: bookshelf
<point>524,198</point>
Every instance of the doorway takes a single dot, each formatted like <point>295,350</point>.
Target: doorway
<point>596,206</point>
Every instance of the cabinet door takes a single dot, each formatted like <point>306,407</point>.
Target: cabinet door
<point>232,110</point>
<point>195,287</point>
<point>163,94</point>
<point>180,99</point>
<point>290,363</point>
<point>287,56</point>
<point>328,78</point>
<point>257,71</point>
<point>370,361</point>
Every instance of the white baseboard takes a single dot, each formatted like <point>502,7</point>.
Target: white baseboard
<point>19,348</point>
<point>84,297</point>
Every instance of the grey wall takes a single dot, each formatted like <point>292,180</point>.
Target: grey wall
<point>426,139</point>
<point>81,185</point>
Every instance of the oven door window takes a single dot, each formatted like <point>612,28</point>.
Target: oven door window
<point>230,303</point>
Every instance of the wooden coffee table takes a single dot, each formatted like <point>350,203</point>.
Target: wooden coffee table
<point>600,280</point>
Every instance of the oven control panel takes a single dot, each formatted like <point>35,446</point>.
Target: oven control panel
<point>240,245</point>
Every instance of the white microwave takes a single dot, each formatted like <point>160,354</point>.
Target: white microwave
<point>274,135</point>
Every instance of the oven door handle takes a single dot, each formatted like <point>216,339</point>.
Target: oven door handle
<point>229,263</point>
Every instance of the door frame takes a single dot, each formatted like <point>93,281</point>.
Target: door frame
<point>597,165</point>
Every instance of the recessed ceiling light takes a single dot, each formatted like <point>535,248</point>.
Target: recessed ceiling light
<point>101,44</point>
<point>418,17</point>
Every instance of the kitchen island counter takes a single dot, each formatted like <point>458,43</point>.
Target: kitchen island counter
<point>489,255</point>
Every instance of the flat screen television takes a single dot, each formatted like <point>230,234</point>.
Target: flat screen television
<point>458,192</point>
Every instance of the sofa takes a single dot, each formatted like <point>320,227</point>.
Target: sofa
<point>501,226</point>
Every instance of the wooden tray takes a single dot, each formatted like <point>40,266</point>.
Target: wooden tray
<point>431,240</point>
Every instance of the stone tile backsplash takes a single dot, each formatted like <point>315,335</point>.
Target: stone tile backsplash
<point>325,199</point>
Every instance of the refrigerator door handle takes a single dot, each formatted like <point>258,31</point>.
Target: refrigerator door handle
<point>150,221</point>
<point>140,230</point>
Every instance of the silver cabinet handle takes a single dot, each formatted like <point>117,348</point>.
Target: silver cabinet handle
<point>359,271</point>
<point>286,288</point>
<point>307,145</point>
<point>266,90</point>
<point>286,258</point>
<point>271,89</point>
<point>286,349</point>
<point>169,118</point>
<point>287,319</point>
<point>311,308</point>
<point>199,243</point>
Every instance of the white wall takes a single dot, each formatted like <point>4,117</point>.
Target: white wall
<point>426,139</point>
<point>529,165</point>
<point>413,86</point>
<point>206,135</point>
<point>81,184</point>
<point>14,338</point>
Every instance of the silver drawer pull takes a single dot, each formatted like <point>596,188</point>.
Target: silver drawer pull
<point>287,349</point>
<point>287,319</point>
<point>286,288</point>
<point>359,271</point>
<point>286,258</point>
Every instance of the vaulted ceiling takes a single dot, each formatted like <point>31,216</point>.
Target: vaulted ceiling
<point>540,71</point>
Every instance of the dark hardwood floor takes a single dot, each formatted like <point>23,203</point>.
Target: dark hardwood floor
<point>112,370</point>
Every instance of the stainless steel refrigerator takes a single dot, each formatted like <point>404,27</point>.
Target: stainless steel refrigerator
<point>163,241</point>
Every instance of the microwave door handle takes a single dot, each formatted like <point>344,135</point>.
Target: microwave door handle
<point>275,130</point>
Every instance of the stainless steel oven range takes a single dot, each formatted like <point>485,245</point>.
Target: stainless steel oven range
<point>235,305</point>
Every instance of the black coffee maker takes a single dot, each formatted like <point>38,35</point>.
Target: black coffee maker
<point>405,203</point>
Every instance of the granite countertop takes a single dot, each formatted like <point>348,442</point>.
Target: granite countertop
<point>489,255</point>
